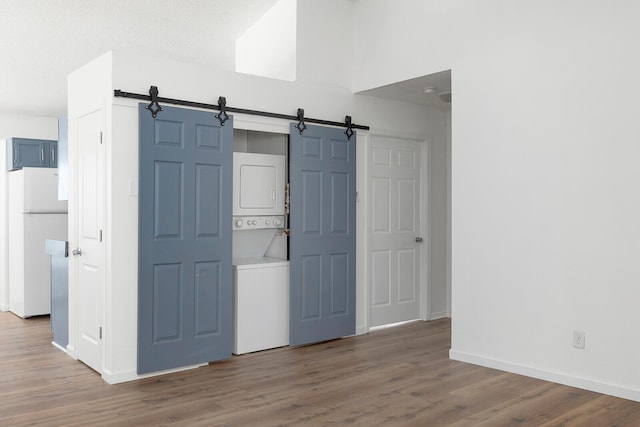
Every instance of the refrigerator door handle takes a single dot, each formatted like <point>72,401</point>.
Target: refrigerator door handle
<point>45,213</point>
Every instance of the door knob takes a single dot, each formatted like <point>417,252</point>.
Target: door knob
<point>76,252</point>
<point>418,239</point>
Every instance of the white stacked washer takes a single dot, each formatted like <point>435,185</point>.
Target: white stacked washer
<point>260,266</point>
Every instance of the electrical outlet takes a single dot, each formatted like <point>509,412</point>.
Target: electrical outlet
<point>578,339</point>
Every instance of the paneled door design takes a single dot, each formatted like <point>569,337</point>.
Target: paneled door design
<point>184,290</point>
<point>323,235</point>
<point>90,253</point>
<point>394,218</point>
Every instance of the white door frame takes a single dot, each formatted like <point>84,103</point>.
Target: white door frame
<point>268,124</point>
<point>425,219</point>
<point>425,225</point>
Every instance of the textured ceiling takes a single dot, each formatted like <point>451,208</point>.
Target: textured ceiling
<point>42,41</point>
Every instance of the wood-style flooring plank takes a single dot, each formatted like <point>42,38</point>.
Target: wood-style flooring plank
<point>400,376</point>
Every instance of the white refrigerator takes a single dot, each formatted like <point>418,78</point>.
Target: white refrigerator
<point>35,214</point>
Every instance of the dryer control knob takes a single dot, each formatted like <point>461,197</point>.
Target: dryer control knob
<point>238,223</point>
<point>277,222</point>
<point>267,222</point>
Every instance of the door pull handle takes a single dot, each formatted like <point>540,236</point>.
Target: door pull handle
<point>418,239</point>
<point>76,252</point>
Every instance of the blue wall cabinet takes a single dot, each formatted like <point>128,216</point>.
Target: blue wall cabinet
<point>185,276</point>
<point>26,152</point>
<point>322,171</point>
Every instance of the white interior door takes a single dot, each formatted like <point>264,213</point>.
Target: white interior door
<point>90,262</point>
<point>395,256</point>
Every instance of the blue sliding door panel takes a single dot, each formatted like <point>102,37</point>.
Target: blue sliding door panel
<point>184,289</point>
<point>322,173</point>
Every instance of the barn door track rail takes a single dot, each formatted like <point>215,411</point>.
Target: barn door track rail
<point>154,108</point>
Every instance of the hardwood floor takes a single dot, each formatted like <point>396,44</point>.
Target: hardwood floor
<point>393,377</point>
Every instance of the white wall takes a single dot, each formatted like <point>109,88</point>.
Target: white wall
<point>544,179</point>
<point>439,218</point>
<point>25,126</point>
<point>325,43</point>
<point>4,232</point>
<point>28,126</point>
<point>403,39</point>
<point>268,47</point>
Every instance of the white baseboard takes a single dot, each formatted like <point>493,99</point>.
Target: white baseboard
<point>58,346</point>
<point>590,384</point>
<point>361,330</point>
<point>4,307</point>
<point>122,377</point>
<point>439,315</point>
<point>71,351</point>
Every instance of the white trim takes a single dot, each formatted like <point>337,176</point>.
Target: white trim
<point>4,308</point>
<point>449,212</point>
<point>439,315</point>
<point>425,227</point>
<point>58,346</point>
<point>260,123</point>
<point>71,351</point>
<point>122,377</point>
<point>363,143</point>
<point>400,134</point>
<point>393,325</point>
<point>591,384</point>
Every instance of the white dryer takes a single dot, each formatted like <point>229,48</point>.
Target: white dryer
<point>258,184</point>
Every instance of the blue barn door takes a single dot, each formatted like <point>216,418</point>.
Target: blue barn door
<point>184,289</point>
<point>322,173</point>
